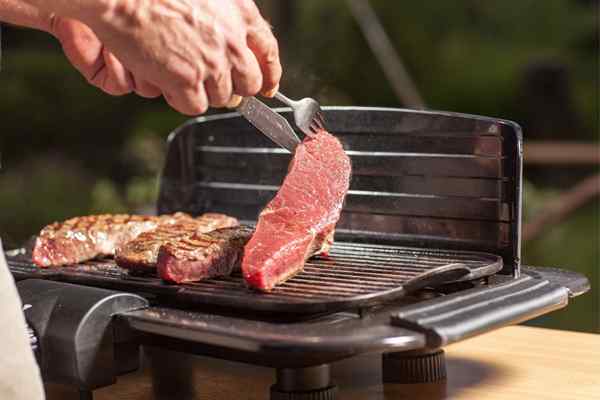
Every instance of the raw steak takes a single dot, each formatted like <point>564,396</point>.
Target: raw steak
<point>83,238</point>
<point>140,253</point>
<point>202,255</point>
<point>299,222</point>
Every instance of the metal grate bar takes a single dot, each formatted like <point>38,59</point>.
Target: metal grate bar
<point>351,275</point>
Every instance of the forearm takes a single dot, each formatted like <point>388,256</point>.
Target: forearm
<point>18,12</point>
<point>76,9</point>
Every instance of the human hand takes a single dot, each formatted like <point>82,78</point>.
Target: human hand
<point>195,52</point>
<point>96,63</point>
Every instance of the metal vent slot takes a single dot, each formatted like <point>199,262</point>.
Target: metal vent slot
<point>490,146</point>
<point>368,202</point>
<point>437,186</point>
<point>351,276</point>
<point>384,164</point>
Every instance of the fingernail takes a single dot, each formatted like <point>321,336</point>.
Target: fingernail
<point>234,101</point>
<point>271,93</point>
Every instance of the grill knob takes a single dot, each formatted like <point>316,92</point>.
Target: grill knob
<point>423,366</point>
<point>329,393</point>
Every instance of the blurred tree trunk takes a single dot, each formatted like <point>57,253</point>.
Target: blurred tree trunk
<point>546,98</point>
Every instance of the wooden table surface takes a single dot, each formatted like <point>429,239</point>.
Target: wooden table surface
<point>511,363</point>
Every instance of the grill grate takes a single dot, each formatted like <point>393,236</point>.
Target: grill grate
<point>353,275</point>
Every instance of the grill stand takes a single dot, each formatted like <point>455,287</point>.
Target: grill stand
<point>417,366</point>
<point>311,383</point>
<point>172,373</point>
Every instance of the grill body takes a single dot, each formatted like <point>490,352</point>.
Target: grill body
<point>431,191</point>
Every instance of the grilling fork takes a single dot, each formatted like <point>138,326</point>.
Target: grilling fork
<point>307,113</point>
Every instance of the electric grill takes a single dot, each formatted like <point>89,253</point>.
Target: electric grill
<point>427,253</point>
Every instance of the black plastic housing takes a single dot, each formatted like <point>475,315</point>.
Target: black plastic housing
<point>73,324</point>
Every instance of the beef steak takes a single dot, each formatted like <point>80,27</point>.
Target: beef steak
<point>202,255</point>
<point>299,222</point>
<point>140,254</point>
<point>83,238</point>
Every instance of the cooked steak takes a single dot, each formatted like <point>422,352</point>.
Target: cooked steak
<point>299,222</point>
<point>202,255</point>
<point>140,253</point>
<point>83,238</point>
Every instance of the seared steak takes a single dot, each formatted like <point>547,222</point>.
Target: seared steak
<point>202,255</point>
<point>83,238</point>
<point>299,222</point>
<point>140,253</point>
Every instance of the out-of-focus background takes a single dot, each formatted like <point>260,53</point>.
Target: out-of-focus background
<point>67,149</point>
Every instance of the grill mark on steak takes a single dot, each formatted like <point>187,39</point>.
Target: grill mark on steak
<point>202,255</point>
<point>299,222</point>
<point>84,238</point>
<point>141,253</point>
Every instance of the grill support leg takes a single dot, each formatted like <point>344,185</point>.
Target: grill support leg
<point>419,366</point>
<point>311,383</point>
<point>86,395</point>
<point>172,374</point>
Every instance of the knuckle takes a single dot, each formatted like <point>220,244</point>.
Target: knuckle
<point>219,71</point>
<point>183,82</point>
<point>248,9</point>
<point>254,86</point>
<point>272,53</point>
<point>128,12</point>
<point>235,53</point>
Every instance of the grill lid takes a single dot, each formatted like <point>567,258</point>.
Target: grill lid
<point>352,276</point>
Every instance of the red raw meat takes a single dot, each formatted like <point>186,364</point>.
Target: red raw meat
<point>300,221</point>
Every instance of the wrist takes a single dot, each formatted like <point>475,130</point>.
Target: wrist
<point>76,9</point>
<point>18,13</point>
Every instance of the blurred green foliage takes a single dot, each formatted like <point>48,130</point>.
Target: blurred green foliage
<point>573,244</point>
<point>67,149</point>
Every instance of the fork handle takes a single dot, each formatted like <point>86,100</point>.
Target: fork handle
<point>286,100</point>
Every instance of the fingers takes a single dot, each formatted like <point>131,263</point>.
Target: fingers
<point>266,49</point>
<point>234,102</point>
<point>188,101</point>
<point>87,54</point>
<point>144,88</point>
<point>219,88</point>
<point>114,79</point>
<point>246,76</point>
<point>81,46</point>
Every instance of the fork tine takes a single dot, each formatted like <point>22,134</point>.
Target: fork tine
<point>321,117</point>
<point>314,125</point>
<point>317,123</point>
